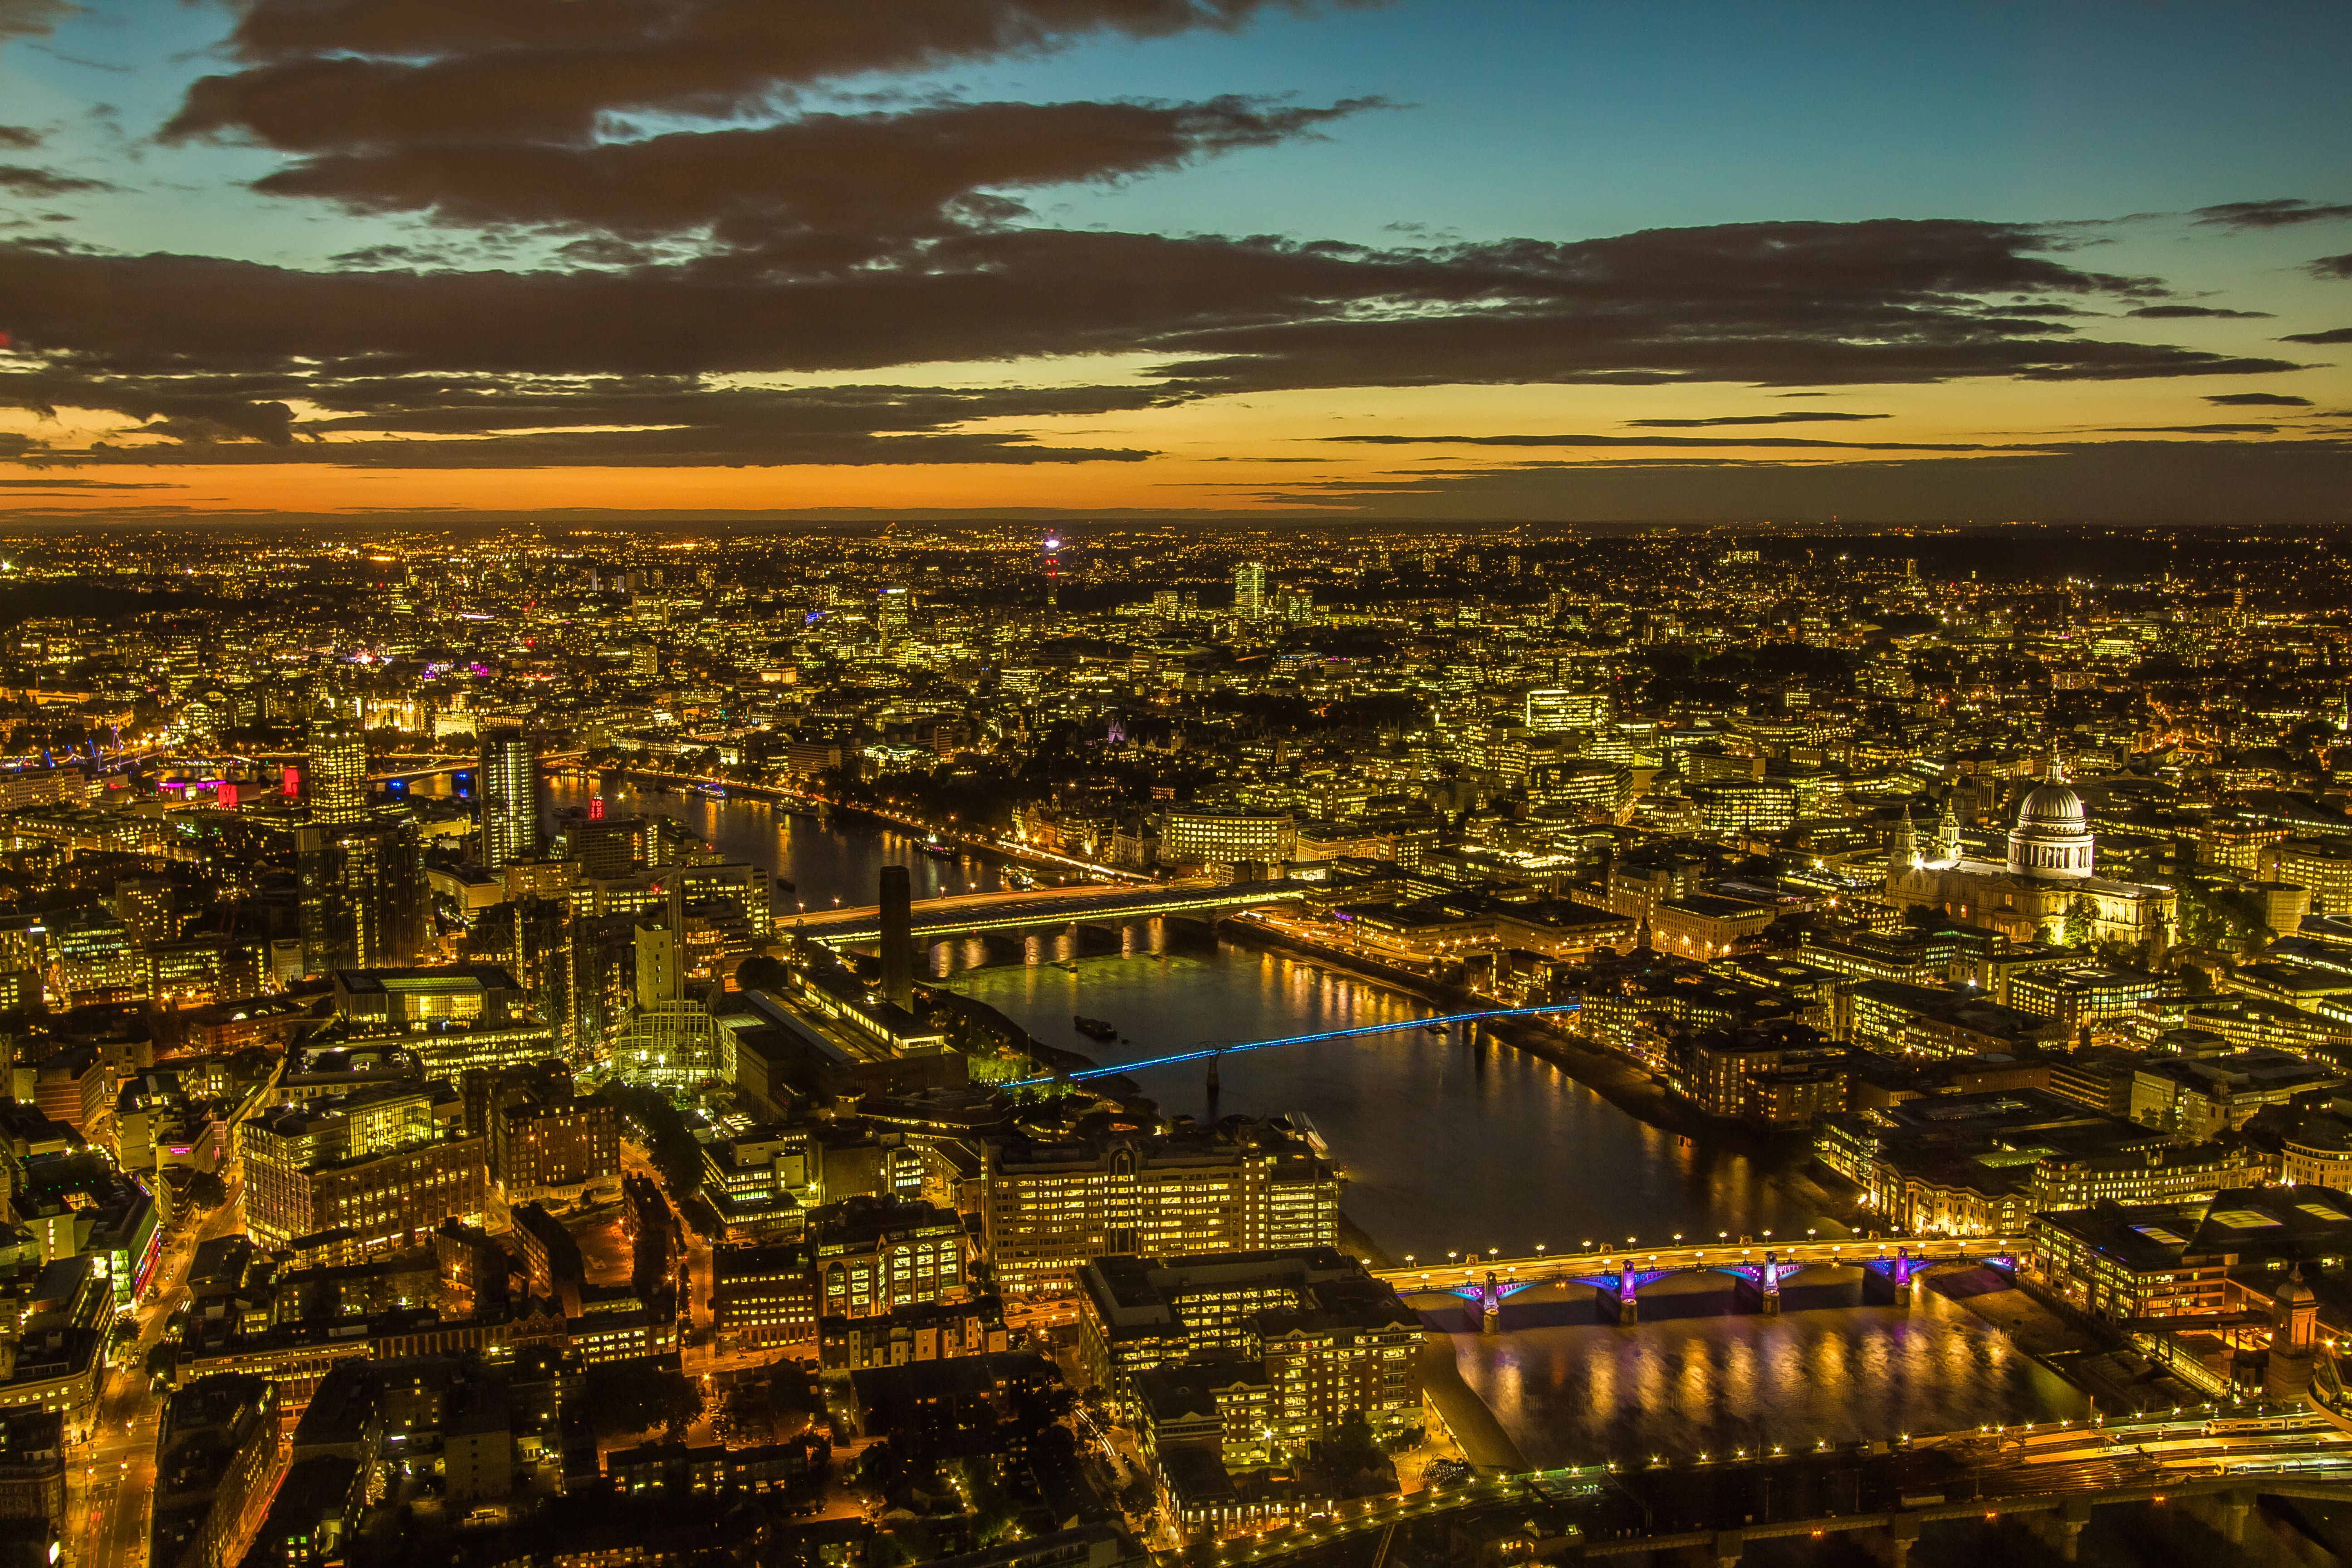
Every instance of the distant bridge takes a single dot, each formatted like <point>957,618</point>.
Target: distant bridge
<point>398,766</point>
<point>1620,1274</point>
<point>943,920</point>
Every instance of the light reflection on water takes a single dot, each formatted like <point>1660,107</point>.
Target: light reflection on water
<point>1580,1394</point>
<point>1448,1144</point>
<point>1463,1145</point>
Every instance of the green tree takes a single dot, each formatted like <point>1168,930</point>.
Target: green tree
<point>2082,919</point>
<point>668,1144</point>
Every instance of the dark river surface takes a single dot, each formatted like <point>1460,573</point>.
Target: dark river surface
<point>1455,1144</point>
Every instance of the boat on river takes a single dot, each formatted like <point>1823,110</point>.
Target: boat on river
<point>1094,1028</point>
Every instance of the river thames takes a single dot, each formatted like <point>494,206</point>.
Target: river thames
<point>1456,1143</point>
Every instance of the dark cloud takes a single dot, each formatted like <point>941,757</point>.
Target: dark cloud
<point>1767,303</point>
<point>2185,312</point>
<point>2257,400</point>
<point>2194,429</point>
<point>1790,304</point>
<point>227,354</point>
<point>323,74</point>
<point>2280,212</point>
<point>1659,441</point>
<point>19,181</point>
<point>59,482</point>
<point>482,422</point>
<point>847,177</point>
<point>1819,416</point>
<point>2178,481</point>
<point>2332,335</point>
<point>25,18</point>
<point>19,136</point>
<point>2331,266</point>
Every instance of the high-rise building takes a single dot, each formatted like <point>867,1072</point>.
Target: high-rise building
<point>892,611</point>
<point>385,1163</point>
<point>337,780</point>
<point>509,788</point>
<point>363,897</point>
<point>1249,590</point>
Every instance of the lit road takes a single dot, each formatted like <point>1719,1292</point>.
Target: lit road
<point>110,1480</point>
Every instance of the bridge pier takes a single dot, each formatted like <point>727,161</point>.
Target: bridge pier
<point>1901,1535</point>
<point>2068,1527</point>
<point>2235,1508</point>
<point>1728,1544</point>
<point>1629,1302</point>
<point>1895,1278</point>
<point>1764,1289</point>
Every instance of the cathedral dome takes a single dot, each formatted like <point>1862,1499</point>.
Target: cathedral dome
<point>2052,840</point>
<point>2055,809</point>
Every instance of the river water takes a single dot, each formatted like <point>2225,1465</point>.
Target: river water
<point>1455,1142</point>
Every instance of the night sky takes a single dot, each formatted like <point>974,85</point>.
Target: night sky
<point>1443,258</point>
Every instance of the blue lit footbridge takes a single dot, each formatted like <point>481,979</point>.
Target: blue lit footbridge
<point>1211,1053</point>
<point>1891,1271</point>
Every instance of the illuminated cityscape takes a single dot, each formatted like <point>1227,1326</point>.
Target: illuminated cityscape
<point>1174,783</point>
<point>756,1018</point>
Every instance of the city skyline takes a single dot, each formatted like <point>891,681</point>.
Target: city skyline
<point>1173,257</point>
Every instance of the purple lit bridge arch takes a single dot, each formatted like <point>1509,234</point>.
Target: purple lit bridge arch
<point>1210,1053</point>
<point>1892,1269</point>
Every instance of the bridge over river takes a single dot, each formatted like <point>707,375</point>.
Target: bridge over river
<point>943,920</point>
<point>1619,1274</point>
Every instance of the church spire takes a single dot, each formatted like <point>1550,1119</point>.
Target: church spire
<point>1904,854</point>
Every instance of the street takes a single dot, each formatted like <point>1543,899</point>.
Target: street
<point>110,1479</point>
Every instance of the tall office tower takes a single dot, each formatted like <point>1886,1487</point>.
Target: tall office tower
<point>898,937</point>
<point>508,783</point>
<point>363,892</point>
<point>1249,590</point>
<point>892,611</point>
<point>338,777</point>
